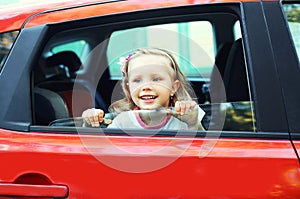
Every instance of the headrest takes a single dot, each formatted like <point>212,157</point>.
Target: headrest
<point>66,58</point>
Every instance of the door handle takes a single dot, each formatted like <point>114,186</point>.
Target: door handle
<point>29,190</point>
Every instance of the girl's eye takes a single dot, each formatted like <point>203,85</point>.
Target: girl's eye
<point>156,79</point>
<point>136,80</point>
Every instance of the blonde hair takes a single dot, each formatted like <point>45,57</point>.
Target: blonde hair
<point>183,93</point>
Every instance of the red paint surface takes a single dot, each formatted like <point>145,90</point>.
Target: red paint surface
<point>234,168</point>
<point>13,17</point>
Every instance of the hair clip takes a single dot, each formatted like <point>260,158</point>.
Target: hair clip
<point>122,62</point>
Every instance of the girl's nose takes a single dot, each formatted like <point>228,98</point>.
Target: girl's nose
<point>146,87</point>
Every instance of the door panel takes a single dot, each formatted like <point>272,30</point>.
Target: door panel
<point>153,167</point>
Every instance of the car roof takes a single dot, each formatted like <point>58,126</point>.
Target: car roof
<point>14,15</point>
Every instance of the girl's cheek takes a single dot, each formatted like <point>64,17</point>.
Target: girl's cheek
<point>164,84</point>
<point>132,88</point>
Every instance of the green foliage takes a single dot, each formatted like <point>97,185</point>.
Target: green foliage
<point>292,12</point>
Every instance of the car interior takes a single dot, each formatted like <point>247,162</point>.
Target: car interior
<point>77,69</point>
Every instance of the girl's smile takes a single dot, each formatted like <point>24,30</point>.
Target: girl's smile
<point>148,98</point>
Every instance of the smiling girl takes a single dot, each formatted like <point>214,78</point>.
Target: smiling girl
<point>152,82</point>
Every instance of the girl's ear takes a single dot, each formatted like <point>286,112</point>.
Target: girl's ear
<point>176,85</point>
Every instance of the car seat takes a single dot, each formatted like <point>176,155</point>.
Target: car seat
<point>230,86</point>
<point>48,106</point>
<point>201,88</point>
<point>60,70</point>
<point>217,74</point>
<point>235,75</point>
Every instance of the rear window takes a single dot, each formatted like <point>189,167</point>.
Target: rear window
<point>193,49</point>
<point>77,47</point>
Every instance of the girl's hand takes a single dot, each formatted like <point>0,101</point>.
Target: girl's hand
<point>93,117</point>
<point>190,113</point>
<point>184,107</point>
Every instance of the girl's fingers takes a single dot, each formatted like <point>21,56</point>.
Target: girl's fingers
<point>93,116</point>
<point>85,116</point>
<point>177,106</point>
<point>100,114</point>
<point>180,107</point>
<point>193,104</point>
<point>184,106</point>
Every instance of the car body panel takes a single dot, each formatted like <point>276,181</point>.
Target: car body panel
<point>13,17</point>
<point>271,168</point>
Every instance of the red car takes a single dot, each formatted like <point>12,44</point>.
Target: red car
<point>58,58</point>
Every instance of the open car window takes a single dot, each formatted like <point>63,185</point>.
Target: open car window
<point>78,69</point>
<point>194,50</point>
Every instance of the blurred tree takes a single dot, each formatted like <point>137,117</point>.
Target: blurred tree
<point>292,12</point>
<point>6,41</point>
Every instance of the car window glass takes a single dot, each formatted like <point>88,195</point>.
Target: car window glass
<point>239,113</point>
<point>206,63</point>
<point>79,47</point>
<point>185,39</point>
<point>292,12</point>
<point>6,41</point>
<point>76,46</point>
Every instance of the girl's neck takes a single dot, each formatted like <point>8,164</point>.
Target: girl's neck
<point>153,119</point>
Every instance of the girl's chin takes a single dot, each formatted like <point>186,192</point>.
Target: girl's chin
<point>150,107</point>
<point>147,108</point>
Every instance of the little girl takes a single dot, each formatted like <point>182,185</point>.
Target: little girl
<point>152,83</point>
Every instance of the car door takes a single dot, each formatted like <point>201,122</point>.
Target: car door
<point>246,152</point>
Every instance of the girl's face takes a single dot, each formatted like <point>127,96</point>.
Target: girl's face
<point>151,81</point>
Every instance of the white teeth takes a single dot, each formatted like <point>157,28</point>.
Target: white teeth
<point>148,97</point>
